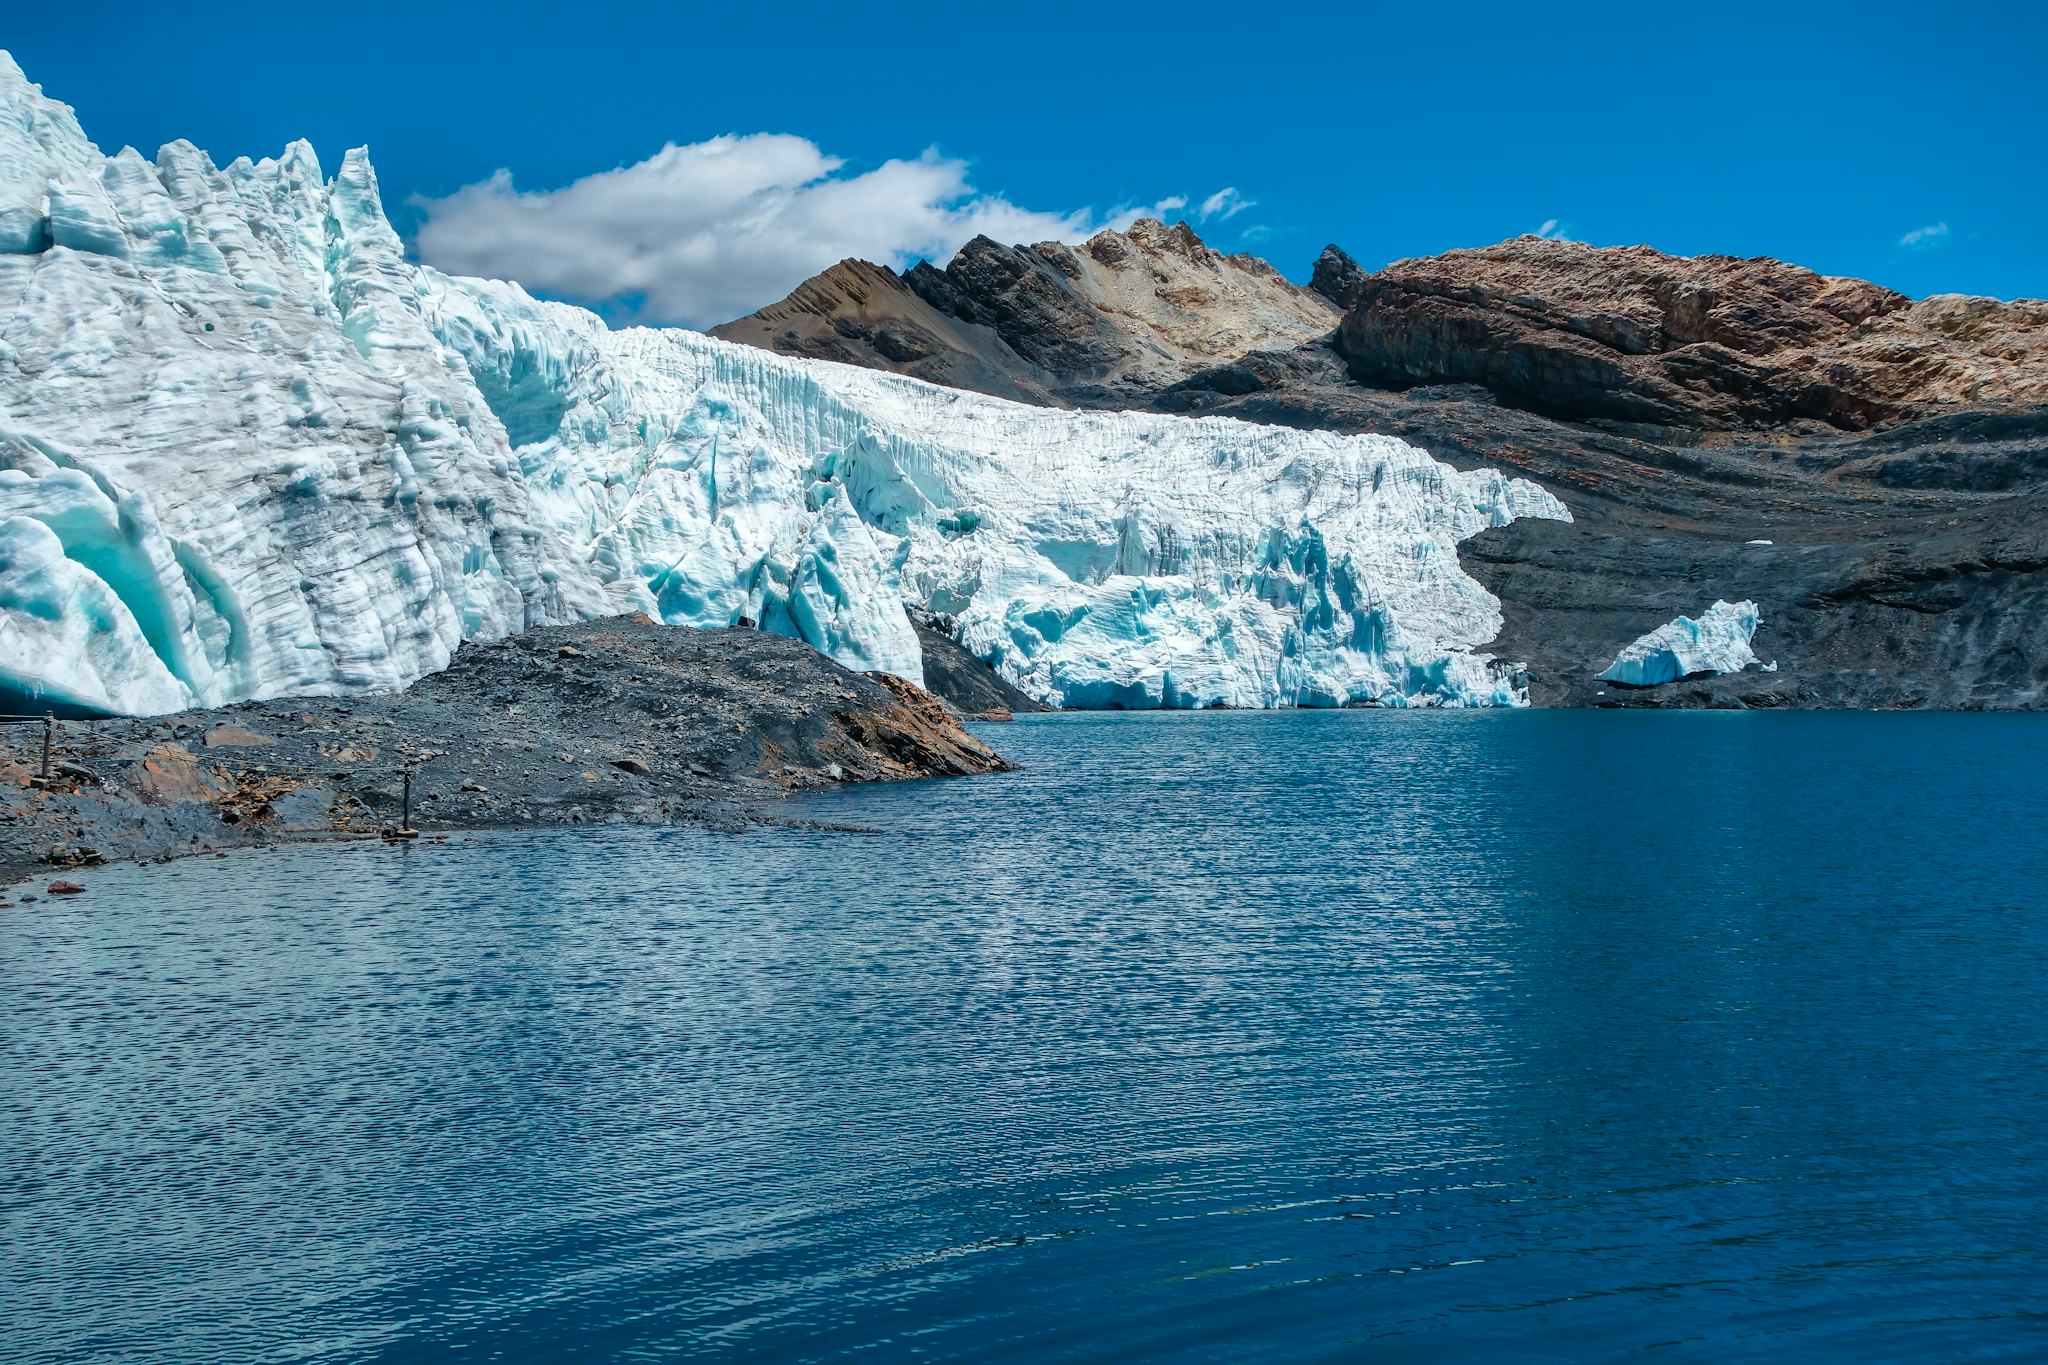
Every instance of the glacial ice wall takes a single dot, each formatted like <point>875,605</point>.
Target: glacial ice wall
<point>1717,642</point>
<point>247,449</point>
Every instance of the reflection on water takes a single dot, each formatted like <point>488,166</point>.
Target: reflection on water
<point>1211,1037</point>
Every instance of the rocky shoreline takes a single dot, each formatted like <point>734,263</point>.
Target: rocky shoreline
<point>610,721</point>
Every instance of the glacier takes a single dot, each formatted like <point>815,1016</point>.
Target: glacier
<point>248,449</point>
<point>1717,642</point>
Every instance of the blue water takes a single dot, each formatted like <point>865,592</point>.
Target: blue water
<point>1219,1037</point>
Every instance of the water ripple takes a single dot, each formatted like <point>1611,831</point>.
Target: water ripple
<point>1225,1037</point>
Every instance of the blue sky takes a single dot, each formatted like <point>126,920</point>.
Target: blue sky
<point>1900,143</point>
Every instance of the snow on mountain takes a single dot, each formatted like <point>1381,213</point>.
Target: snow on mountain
<point>1717,642</point>
<point>247,449</point>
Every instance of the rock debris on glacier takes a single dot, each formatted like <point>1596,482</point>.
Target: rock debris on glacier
<point>247,449</point>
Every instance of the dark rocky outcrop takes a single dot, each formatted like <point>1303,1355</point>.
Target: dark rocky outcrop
<point>959,679</point>
<point>614,720</point>
<point>1337,277</point>
<point>1892,452</point>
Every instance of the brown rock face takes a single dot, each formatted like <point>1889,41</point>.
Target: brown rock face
<point>918,735</point>
<point>1629,334</point>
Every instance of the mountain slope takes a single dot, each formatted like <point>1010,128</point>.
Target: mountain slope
<point>864,314</point>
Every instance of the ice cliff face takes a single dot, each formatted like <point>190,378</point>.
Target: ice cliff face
<point>247,449</point>
<point>1718,642</point>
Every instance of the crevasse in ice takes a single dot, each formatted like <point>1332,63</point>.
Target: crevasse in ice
<point>247,449</point>
<point>1717,642</point>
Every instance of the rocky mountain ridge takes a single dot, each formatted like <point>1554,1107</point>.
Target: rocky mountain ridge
<point>1104,324</point>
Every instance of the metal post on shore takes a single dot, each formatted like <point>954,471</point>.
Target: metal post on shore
<point>404,829</point>
<point>49,733</point>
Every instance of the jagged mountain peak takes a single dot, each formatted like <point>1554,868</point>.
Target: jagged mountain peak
<point>1154,235</point>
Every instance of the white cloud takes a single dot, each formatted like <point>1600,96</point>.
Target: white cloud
<point>1926,238</point>
<point>711,231</point>
<point>1224,205</point>
<point>1554,231</point>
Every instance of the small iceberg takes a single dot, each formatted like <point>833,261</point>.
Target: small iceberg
<point>1718,642</point>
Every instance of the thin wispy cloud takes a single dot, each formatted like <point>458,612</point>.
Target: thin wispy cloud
<point>702,233</point>
<point>1554,231</point>
<point>1926,238</point>
<point>1224,205</point>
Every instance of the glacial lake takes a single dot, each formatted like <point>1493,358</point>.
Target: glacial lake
<point>1364,1036</point>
